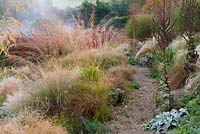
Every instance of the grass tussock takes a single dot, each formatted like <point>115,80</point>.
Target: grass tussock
<point>77,93</point>
<point>148,47</point>
<point>179,47</point>
<point>17,100</point>
<point>69,72</point>
<point>120,75</point>
<point>103,58</point>
<point>193,82</point>
<point>10,85</point>
<point>53,39</point>
<point>177,76</point>
<point>30,124</point>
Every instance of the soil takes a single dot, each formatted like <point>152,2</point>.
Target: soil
<point>141,106</point>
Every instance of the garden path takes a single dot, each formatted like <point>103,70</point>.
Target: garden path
<point>141,105</point>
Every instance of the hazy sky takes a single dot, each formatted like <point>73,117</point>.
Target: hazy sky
<point>62,4</point>
<point>65,3</point>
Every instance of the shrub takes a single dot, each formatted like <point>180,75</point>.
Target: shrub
<point>140,27</point>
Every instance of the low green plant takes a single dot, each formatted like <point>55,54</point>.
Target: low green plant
<point>95,127</point>
<point>157,56</point>
<point>2,99</point>
<point>6,113</point>
<point>190,124</point>
<point>73,126</point>
<point>196,42</point>
<point>162,97</point>
<point>117,97</point>
<point>166,120</point>
<point>134,84</point>
<point>155,73</point>
<point>90,73</point>
<point>60,119</point>
<point>132,61</point>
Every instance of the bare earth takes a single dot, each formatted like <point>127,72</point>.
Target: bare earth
<point>141,106</point>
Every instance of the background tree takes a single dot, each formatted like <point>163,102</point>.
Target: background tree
<point>139,2</point>
<point>154,6</point>
<point>115,12</point>
<point>121,10</point>
<point>86,10</point>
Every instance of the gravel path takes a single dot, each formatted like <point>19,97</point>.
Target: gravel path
<point>129,119</point>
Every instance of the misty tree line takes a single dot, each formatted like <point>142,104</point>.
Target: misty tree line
<point>116,11</point>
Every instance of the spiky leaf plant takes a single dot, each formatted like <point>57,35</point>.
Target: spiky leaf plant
<point>190,19</point>
<point>164,35</point>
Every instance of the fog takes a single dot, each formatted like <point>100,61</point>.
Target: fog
<point>62,4</point>
<point>50,9</point>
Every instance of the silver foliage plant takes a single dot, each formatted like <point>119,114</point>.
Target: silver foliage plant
<point>162,122</point>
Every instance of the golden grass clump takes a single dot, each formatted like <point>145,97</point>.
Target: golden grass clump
<point>52,38</point>
<point>105,59</point>
<point>120,75</point>
<point>177,76</point>
<point>193,81</point>
<point>77,93</point>
<point>30,123</point>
